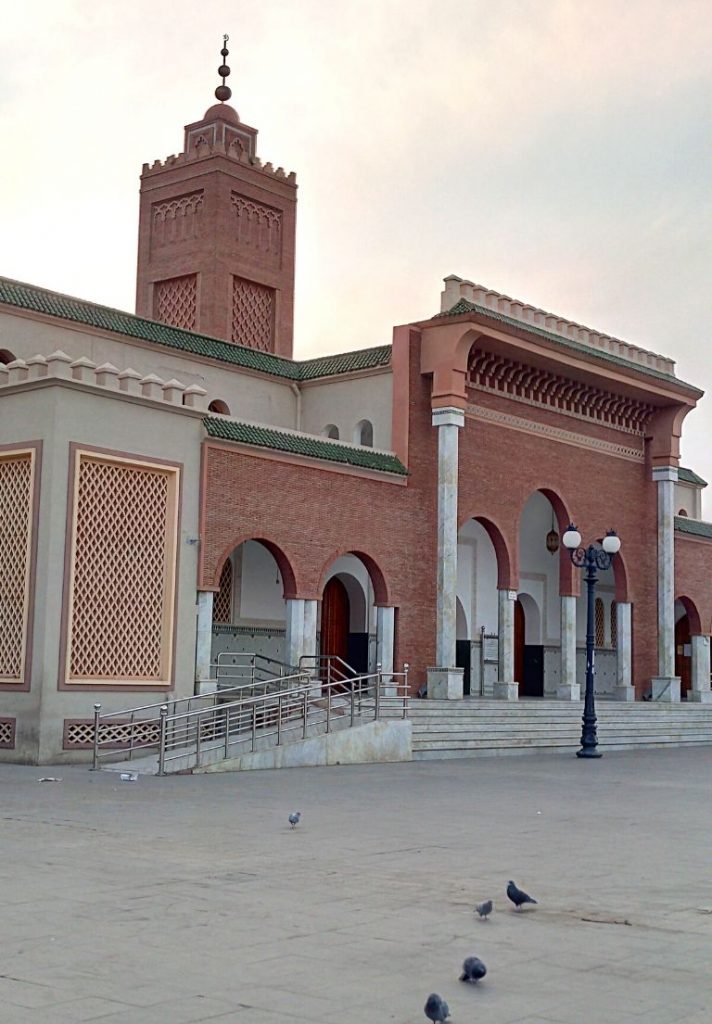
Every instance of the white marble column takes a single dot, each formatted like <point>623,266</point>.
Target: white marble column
<point>624,651</point>
<point>700,691</point>
<point>568,688</point>
<point>309,638</point>
<point>294,634</point>
<point>204,643</point>
<point>666,685</point>
<point>506,687</point>
<point>385,636</point>
<point>444,679</point>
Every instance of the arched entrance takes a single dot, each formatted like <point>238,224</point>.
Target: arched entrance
<point>335,620</point>
<point>683,647</point>
<point>528,648</point>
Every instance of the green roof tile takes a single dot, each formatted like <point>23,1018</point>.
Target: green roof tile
<point>302,444</point>
<point>689,477</point>
<point>694,527</point>
<point>40,300</point>
<point>465,306</point>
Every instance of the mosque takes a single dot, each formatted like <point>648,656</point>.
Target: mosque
<point>174,485</point>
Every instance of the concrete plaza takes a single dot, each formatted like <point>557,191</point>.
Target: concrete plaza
<point>185,899</point>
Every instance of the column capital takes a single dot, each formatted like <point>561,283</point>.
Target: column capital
<point>449,416</point>
<point>665,473</point>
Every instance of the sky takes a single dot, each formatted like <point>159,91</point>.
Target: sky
<point>559,151</point>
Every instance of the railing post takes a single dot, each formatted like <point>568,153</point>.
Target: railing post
<point>379,680</point>
<point>95,757</point>
<point>328,709</point>
<point>227,731</point>
<point>163,712</point>
<point>353,707</point>
<point>406,692</point>
<point>279,718</point>
<point>198,737</point>
<point>306,713</point>
<point>254,724</point>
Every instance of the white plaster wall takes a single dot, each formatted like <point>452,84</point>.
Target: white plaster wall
<point>538,568</point>
<point>477,578</point>
<point>248,396</point>
<point>261,588</point>
<point>346,402</point>
<point>689,498</point>
<point>58,415</point>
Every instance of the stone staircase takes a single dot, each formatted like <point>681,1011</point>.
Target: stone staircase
<point>476,726</point>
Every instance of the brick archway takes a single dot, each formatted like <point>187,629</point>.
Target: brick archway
<point>284,563</point>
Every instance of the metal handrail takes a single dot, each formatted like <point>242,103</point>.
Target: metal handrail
<point>180,729</point>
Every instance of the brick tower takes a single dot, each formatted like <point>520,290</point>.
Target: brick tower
<point>216,235</point>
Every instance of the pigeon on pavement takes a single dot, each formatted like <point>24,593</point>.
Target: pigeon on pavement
<point>473,969</point>
<point>294,818</point>
<point>517,896</point>
<point>484,909</point>
<point>436,1009</point>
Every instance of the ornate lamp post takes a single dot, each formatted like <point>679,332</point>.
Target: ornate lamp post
<point>591,559</point>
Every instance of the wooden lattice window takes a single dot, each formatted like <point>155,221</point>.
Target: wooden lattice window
<point>16,505</point>
<point>614,624</point>
<point>600,619</point>
<point>222,602</point>
<point>122,571</point>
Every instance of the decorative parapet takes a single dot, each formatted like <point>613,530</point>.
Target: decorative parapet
<point>59,367</point>
<point>209,149</point>
<point>458,289</point>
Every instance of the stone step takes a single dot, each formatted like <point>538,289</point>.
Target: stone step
<point>426,754</point>
<point>469,742</point>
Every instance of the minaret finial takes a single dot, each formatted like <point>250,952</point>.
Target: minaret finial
<point>224,92</point>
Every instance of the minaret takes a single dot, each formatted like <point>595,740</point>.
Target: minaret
<point>216,235</point>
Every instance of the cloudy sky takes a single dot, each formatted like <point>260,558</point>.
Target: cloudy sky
<point>556,150</point>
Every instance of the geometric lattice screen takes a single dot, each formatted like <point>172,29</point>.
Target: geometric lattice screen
<point>175,301</point>
<point>16,478</point>
<point>222,602</point>
<point>252,314</point>
<point>600,619</point>
<point>122,572</point>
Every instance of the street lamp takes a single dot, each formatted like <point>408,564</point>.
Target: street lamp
<point>591,559</point>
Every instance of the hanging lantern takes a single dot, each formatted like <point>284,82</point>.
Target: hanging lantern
<point>552,539</point>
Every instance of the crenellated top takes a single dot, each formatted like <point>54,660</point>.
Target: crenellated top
<point>124,383</point>
<point>220,148</point>
<point>458,290</point>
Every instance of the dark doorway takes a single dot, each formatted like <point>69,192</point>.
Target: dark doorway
<point>463,651</point>
<point>528,658</point>
<point>683,654</point>
<point>335,616</point>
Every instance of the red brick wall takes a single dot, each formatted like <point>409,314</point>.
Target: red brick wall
<point>314,515</point>
<point>693,575</point>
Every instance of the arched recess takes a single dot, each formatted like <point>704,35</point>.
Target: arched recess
<point>6,356</point>
<point>484,567</point>
<point>331,431</point>
<point>380,587</point>
<point>528,648</point>
<point>352,584</point>
<point>363,433</point>
<point>219,406</point>
<point>687,625</point>
<point>568,580</point>
<point>249,609</point>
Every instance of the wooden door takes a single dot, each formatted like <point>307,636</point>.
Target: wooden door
<point>335,617</point>
<point>683,654</point>
<point>518,643</point>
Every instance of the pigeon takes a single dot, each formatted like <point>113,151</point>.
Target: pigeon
<point>436,1009</point>
<point>294,818</point>
<point>484,909</point>
<point>517,896</point>
<point>473,970</point>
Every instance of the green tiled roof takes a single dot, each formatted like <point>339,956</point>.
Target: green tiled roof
<point>465,306</point>
<point>302,444</point>
<point>40,300</point>
<point>688,477</point>
<point>693,526</point>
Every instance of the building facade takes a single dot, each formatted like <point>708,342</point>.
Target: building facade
<point>174,485</point>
